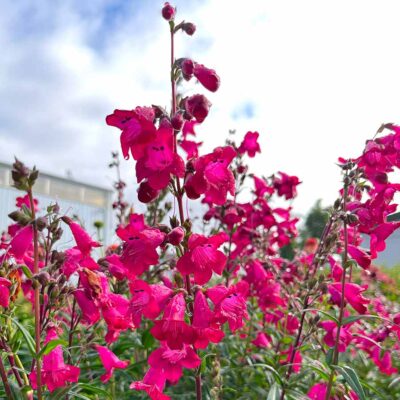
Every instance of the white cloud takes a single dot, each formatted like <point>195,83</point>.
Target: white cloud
<point>322,76</point>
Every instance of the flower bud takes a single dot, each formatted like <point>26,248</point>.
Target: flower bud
<point>207,77</point>
<point>165,123</point>
<point>168,12</point>
<point>177,121</point>
<point>176,236</point>
<point>189,28</point>
<point>187,67</point>
<point>41,223</point>
<point>146,193</point>
<point>198,106</point>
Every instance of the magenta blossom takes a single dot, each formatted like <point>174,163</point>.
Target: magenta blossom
<point>206,330</point>
<point>4,292</point>
<point>207,77</point>
<point>250,144</point>
<point>286,185</point>
<point>197,106</point>
<point>137,128</point>
<point>212,176</point>
<point>352,294</point>
<point>172,328</point>
<point>55,373</point>
<point>153,384</point>
<point>110,362</point>
<point>22,241</point>
<point>230,304</point>
<point>160,161</point>
<point>83,241</point>
<point>172,361</point>
<point>203,257</point>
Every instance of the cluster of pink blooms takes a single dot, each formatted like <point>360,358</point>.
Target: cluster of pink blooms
<point>212,280</point>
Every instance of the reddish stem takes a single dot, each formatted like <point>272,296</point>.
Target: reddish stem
<point>179,195</point>
<point>37,298</point>
<point>4,378</point>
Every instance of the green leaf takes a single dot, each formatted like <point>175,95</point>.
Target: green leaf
<point>352,379</point>
<point>147,339</point>
<point>30,342</point>
<point>51,345</point>
<point>27,271</point>
<point>94,389</point>
<point>273,370</point>
<point>329,356</point>
<point>329,316</point>
<point>274,393</point>
<point>354,318</point>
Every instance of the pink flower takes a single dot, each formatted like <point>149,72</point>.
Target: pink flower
<point>110,362</point>
<point>230,304</point>
<point>261,187</point>
<point>250,144</point>
<point>4,292</point>
<point>331,332</point>
<point>318,391</point>
<point>90,311</point>
<point>379,235</point>
<point>172,328</point>
<point>153,384</point>
<point>286,185</point>
<point>55,373</point>
<point>352,294</point>
<point>206,330</point>
<point>262,340</point>
<point>197,106</point>
<point>384,363</point>
<point>212,176</point>
<point>22,241</point>
<point>84,242</point>
<point>172,361</point>
<point>361,257</point>
<point>146,193</point>
<point>147,300</point>
<point>297,360</point>
<point>202,258</point>
<point>137,128</point>
<point>159,161</point>
<point>207,77</point>
<point>140,247</point>
<point>25,201</point>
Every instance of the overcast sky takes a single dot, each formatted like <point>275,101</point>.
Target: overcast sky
<point>315,78</point>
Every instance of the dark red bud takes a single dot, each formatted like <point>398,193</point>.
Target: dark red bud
<point>168,12</point>
<point>146,193</point>
<point>189,28</point>
<point>177,121</point>
<point>198,106</point>
<point>187,68</point>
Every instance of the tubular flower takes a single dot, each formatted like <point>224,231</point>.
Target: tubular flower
<point>153,384</point>
<point>250,144</point>
<point>55,373</point>
<point>202,258</point>
<point>110,362</point>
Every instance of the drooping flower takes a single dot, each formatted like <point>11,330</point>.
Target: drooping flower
<point>153,384</point>
<point>197,106</point>
<point>172,327</point>
<point>262,340</point>
<point>172,361</point>
<point>352,293</point>
<point>362,258</point>
<point>110,362</point>
<point>83,240</point>
<point>207,77</point>
<point>55,373</point>
<point>250,145</point>
<point>206,330</point>
<point>203,257</point>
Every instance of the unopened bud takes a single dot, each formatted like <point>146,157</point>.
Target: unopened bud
<point>168,12</point>
<point>177,121</point>
<point>41,223</point>
<point>189,28</point>
<point>176,236</point>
